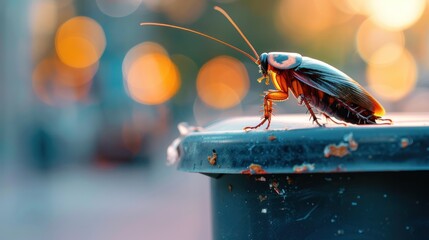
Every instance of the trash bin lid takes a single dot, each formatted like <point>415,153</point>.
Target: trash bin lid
<point>294,145</point>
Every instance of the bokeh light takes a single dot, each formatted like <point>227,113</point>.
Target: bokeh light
<point>395,14</point>
<point>138,51</point>
<point>118,8</point>
<point>80,42</point>
<point>386,54</point>
<point>394,80</point>
<point>298,21</point>
<point>55,83</point>
<point>43,16</point>
<point>371,38</point>
<point>150,75</point>
<point>42,22</point>
<point>358,6</point>
<point>222,82</point>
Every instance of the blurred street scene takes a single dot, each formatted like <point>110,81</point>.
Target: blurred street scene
<point>90,100</point>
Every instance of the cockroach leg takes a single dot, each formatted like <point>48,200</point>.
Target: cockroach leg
<point>310,110</point>
<point>269,98</point>
<point>260,124</point>
<point>338,123</point>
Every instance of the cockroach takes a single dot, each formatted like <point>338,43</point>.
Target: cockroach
<point>316,85</point>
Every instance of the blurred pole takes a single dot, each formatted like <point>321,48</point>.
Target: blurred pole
<point>15,82</point>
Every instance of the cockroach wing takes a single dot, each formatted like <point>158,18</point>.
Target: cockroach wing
<point>332,81</point>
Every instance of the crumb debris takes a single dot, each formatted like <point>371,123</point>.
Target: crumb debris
<point>353,145</point>
<point>272,138</point>
<point>261,179</point>
<point>339,150</point>
<point>230,187</point>
<point>254,169</point>
<point>262,198</point>
<point>406,142</point>
<point>264,210</point>
<point>213,158</point>
<point>342,149</point>
<point>305,167</point>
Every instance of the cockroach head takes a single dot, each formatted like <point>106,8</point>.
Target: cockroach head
<point>263,64</point>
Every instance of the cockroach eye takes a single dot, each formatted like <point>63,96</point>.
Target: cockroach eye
<point>263,66</point>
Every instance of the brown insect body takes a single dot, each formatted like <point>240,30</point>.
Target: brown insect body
<point>323,102</point>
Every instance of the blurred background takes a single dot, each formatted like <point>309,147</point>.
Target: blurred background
<point>90,100</point>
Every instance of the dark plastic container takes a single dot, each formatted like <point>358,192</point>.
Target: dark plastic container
<point>306,182</point>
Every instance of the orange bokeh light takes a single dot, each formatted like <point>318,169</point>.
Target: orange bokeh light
<point>138,51</point>
<point>390,14</point>
<point>222,82</point>
<point>395,14</point>
<point>43,17</point>
<point>152,78</point>
<point>56,83</point>
<point>298,21</point>
<point>358,6</point>
<point>394,80</point>
<point>80,42</point>
<point>371,38</point>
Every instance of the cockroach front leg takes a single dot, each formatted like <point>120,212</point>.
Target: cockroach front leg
<point>270,97</point>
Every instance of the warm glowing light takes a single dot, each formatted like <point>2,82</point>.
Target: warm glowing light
<point>74,77</point>
<point>386,54</point>
<point>43,16</point>
<point>395,80</point>
<point>77,51</point>
<point>138,51</point>
<point>56,83</point>
<point>152,78</point>
<point>358,6</point>
<point>80,42</point>
<point>42,22</point>
<point>345,6</point>
<point>118,8</point>
<point>371,39</point>
<point>222,82</point>
<point>396,14</point>
<point>297,20</point>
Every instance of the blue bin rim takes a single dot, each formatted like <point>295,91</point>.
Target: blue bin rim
<point>294,145</point>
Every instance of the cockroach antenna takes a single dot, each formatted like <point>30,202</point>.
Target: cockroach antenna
<point>238,29</point>
<point>255,60</point>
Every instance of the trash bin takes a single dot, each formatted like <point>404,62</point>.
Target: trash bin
<point>298,181</point>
